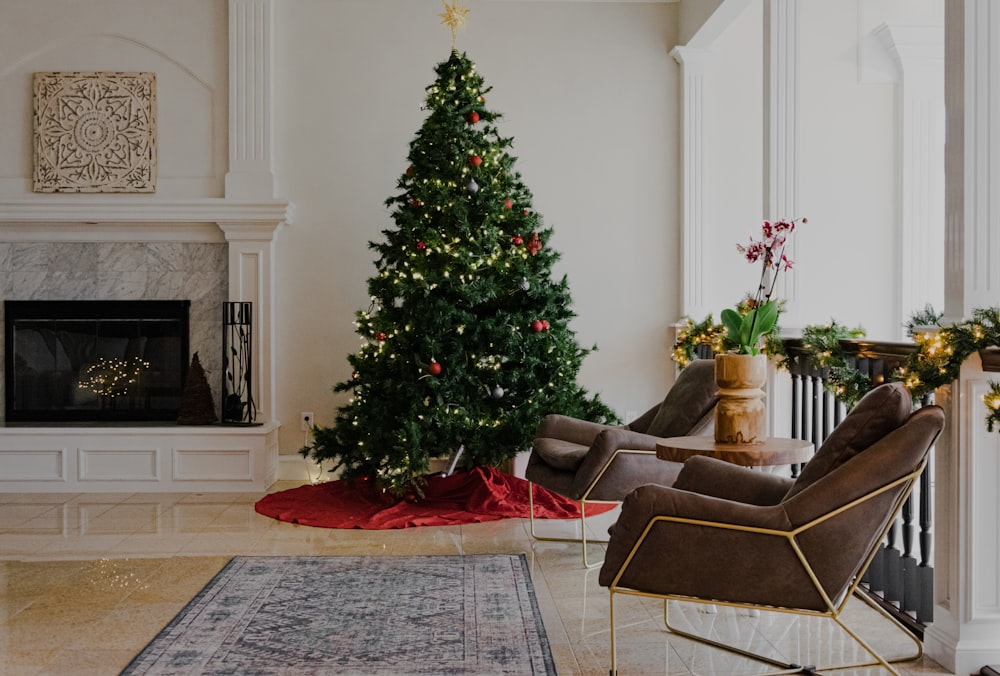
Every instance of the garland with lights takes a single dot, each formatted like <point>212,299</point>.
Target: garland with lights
<point>467,341</point>
<point>941,353</point>
<point>936,361</point>
<point>695,337</point>
<point>692,336</point>
<point>824,351</point>
<point>992,401</point>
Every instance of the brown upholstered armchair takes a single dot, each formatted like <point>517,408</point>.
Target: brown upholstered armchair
<point>590,462</point>
<point>801,545</point>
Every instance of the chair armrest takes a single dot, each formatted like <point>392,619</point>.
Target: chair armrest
<point>582,432</point>
<point>603,448</point>
<point>721,479</point>
<point>686,543</point>
<point>650,501</point>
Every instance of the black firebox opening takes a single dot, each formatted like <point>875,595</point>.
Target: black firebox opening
<point>95,361</point>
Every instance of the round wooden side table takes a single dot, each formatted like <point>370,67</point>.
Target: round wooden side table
<point>769,451</point>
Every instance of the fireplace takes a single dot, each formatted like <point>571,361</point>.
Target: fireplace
<point>95,361</point>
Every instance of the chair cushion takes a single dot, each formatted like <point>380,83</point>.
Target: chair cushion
<point>693,395</point>
<point>560,454</point>
<point>879,412</point>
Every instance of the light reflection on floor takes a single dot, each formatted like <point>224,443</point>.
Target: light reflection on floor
<point>86,580</point>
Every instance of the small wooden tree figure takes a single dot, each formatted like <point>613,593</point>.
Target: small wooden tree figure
<point>197,405</point>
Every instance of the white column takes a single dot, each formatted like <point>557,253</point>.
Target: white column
<point>781,128</point>
<point>251,100</point>
<point>780,171</point>
<point>694,67</point>
<point>972,197</point>
<point>251,278</point>
<point>919,54</point>
<point>965,635</point>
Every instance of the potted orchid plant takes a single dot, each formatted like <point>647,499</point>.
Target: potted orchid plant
<point>740,416</point>
<point>745,330</point>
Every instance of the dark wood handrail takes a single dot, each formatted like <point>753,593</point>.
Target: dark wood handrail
<point>861,349</point>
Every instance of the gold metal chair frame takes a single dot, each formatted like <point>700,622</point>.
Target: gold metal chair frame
<point>583,514</point>
<point>833,611</point>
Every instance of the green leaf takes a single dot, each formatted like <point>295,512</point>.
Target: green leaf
<point>733,322</point>
<point>767,318</point>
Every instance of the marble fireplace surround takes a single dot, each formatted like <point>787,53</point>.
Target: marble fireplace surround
<point>125,271</point>
<point>118,256</point>
<point>138,244</point>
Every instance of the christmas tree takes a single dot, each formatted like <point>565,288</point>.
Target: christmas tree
<point>467,343</point>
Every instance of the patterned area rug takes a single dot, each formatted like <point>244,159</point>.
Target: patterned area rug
<point>357,615</point>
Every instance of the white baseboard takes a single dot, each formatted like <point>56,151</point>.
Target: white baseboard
<point>293,467</point>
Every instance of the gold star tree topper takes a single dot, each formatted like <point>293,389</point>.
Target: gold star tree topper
<point>453,17</point>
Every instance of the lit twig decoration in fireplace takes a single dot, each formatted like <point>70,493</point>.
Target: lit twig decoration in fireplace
<point>112,378</point>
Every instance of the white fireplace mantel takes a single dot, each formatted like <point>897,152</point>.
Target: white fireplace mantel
<point>163,457</point>
<point>248,217</point>
<point>63,218</point>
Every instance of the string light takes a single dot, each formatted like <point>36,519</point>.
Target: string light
<point>113,377</point>
<point>992,401</point>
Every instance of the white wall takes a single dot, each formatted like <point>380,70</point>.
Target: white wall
<point>182,41</point>
<point>847,181</point>
<point>734,109</point>
<point>588,93</point>
<point>848,257</point>
<point>590,96</point>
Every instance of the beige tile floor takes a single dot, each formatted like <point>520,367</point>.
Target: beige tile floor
<point>86,580</point>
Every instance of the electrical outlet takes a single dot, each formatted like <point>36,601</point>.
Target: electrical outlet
<point>307,421</point>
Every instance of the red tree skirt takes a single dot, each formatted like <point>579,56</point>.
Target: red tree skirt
<point>473,496</point>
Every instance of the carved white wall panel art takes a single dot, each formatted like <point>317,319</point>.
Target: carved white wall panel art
<point>95,132</point>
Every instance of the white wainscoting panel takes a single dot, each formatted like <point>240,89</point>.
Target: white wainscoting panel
<point>143,459</point>
<point>32,464</point>
<point>127,464</point>
<point>193,464</point>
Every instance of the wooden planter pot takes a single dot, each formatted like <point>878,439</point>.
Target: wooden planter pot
<point>741,415</point>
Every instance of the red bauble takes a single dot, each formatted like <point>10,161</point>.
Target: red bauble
<point>507,204</point>
<point>421,246</point>
<point>416,203</point>
<point>537,326</point>
<point>473,117</point>
<point>434,368</point>
<point>517,240</point>
<point>475,160</point>
<point>409,171</point>
<point>545,324</point>
<point>380,335</point>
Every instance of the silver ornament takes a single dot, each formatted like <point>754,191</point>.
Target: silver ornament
<point>525,284</point>
<point>472,186</point>
<point>498,392</point>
